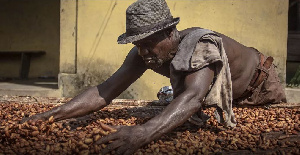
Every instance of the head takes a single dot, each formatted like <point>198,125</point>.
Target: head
<point>159,47</point>
<point>152,28</point>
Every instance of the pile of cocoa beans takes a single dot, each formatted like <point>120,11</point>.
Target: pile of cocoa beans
<point>258,131</point>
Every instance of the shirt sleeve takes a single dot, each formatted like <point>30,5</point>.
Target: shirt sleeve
<point>206,52</point>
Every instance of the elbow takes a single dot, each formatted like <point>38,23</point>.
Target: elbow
<point>194,102</point>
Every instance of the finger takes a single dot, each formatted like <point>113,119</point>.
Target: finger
<point>107,138</point>
<point>111,147</point>
<point>107,127</point>
<point>25,119</point>
<point>28,120</point>
<point>123,149</point>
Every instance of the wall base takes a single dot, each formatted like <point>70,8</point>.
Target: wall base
<point>292,95</point>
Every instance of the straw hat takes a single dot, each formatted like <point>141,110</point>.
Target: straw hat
<point>144,18</point>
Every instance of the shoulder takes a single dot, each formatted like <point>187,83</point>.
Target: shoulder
<point>184,32</point>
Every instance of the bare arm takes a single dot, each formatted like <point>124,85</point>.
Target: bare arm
<point>128,139</point>
<point>95,98</point>
<point>184,106</point>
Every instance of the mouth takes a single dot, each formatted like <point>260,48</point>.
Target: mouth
<point>152,62</point>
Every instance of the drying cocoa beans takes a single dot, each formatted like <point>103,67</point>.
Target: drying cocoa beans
<point>258,131</point>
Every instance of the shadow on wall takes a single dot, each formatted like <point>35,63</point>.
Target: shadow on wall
<point>95,73</point>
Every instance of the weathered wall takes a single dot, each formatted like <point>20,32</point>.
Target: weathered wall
<point>30,25</point>
<point>99,25</point>
<point>261,24</point>
<point>258,23</point>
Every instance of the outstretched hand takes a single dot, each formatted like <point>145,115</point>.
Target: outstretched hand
<point>33,118</point>
<point>125,140</point>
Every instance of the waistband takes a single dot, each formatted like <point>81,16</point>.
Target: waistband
<point>260,75</point>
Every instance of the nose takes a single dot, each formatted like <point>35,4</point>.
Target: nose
<point>143,52</point>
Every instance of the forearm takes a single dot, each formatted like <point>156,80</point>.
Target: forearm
<point>83,104</point>
<point>175,114</point>
<point>196,85</point>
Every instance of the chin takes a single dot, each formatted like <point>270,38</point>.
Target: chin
<point>154,65</point>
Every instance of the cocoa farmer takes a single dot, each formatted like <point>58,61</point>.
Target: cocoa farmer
<point>205,68</point>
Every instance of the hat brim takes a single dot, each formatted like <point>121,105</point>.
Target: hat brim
<point>124,39</point>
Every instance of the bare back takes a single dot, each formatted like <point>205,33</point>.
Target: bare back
<point>242,62</point>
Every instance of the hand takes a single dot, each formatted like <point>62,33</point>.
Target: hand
<point>126,140</point>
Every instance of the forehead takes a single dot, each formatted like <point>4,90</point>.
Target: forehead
<point>152,38</point>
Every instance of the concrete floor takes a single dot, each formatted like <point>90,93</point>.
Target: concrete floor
<point>30,87</point>
<point>49,88</point>
<point>292,95</point>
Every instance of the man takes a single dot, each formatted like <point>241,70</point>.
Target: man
<point>204,67</point>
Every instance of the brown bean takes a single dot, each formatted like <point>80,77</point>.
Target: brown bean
<point>96,138</point>
<point>35,133</point>
<point>88,140</point>
<point>49,136</point>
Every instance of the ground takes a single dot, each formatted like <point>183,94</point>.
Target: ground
<point>260,130</point>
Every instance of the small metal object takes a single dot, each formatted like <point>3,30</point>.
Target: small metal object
<point>165,94</point>
<point>267,106</point>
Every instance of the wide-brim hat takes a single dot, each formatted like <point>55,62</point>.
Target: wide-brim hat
<point>146,17</point>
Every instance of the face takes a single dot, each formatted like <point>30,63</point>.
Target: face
<point>157,49</point>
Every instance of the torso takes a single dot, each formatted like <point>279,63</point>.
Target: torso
<point>242,62</point>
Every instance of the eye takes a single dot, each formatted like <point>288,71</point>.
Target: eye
<point>149,41</point>
<point>138,45</point>
<point>144,43</point>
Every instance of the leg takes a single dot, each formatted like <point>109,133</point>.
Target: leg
<point>25,65</point>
